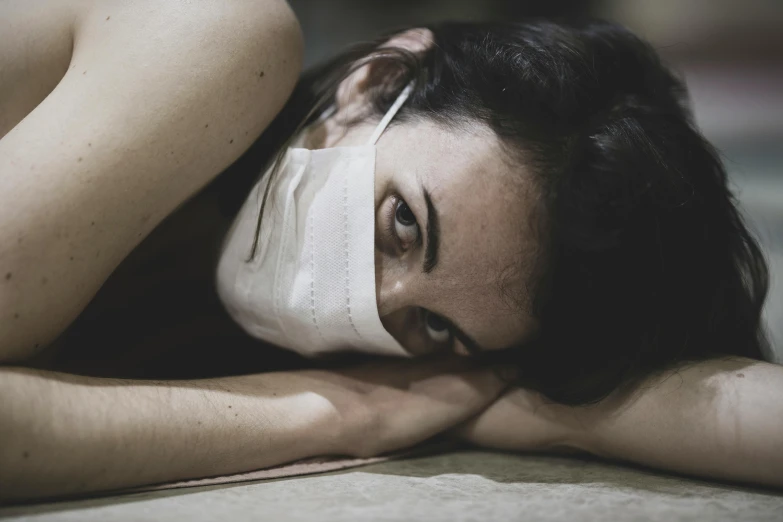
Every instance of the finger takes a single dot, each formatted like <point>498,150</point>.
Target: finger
<point>518,420</point>
<point>465,391</point>
<point>433,405</point>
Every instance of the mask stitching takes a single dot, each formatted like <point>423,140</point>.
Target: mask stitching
<point>312,275</point>
<point>347,260</point>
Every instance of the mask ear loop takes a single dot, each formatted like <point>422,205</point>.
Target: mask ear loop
<point>403,96</point>
<point>376,135</point>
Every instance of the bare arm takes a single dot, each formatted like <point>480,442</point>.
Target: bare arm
<point>720,418</point>
<point>61,434</point>
<point>158,98</point>
<point>717,419</point>
<point>64,434</point>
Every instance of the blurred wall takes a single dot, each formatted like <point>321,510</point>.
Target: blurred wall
<point>730,53</point>
<point>330,25</point>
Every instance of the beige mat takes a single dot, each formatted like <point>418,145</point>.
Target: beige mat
<point>463,486</point>
<point>302,467</point>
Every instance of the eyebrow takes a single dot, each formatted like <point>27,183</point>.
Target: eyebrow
<point>433,236</point>
<point>431,261</point>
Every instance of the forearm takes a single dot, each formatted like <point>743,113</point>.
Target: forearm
<point>719,419</point>
<point>62,434</point>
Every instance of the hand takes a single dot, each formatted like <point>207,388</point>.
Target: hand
<point>391,405</point>
<point>522,420</point>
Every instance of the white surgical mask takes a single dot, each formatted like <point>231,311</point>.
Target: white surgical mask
<point>311,285</point>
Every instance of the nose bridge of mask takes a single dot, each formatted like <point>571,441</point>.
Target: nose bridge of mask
<point>340,226</point>
<point>337,281</point>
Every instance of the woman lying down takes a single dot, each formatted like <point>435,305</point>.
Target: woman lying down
<point>521,217</point>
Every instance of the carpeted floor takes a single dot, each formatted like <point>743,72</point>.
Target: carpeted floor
<point>453,487</point>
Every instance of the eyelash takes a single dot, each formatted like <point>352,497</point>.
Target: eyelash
<point>424,316</point>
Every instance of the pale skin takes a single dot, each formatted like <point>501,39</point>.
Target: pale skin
<point>106,129</point>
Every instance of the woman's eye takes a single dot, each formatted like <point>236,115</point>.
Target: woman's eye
<point>405,225</point>
<point>437,328</point>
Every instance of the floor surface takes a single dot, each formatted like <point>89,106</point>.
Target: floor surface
<point>455,487</point>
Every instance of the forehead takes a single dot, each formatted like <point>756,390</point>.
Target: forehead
<point>484,205</point>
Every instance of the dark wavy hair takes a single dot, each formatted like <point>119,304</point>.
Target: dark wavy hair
<point>644,259</point>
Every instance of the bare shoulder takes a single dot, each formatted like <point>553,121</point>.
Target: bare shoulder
<point>228,35</point>
<point>177,42</point>
<point>149,101</point>
<point>244,52</point>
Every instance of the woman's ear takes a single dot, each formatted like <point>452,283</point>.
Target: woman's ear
<point>350,96</point>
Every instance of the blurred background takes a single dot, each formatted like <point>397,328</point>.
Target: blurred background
<point>730,53</point>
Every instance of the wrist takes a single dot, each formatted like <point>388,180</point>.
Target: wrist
<point>576,431</point>
<point>315,425</point>
<point>566,428</point>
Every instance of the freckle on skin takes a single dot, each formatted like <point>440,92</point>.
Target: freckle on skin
<point>8,276</point>
<point>44,280</point>
<point>231,141</point>
<point>80,158</point>
<point>261,75</point>
<point>85,72</point>
<point>108,17</point>
<point>89,144</point>
<point>16,316</point>
<point>740,375</point>
<point>71,258</point>
<point>229,406</point>
<point>92,223</point>
<point>207,125</point>
<point>26,455</point>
